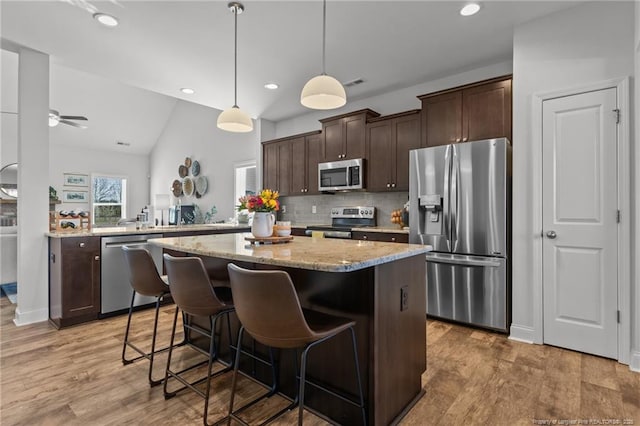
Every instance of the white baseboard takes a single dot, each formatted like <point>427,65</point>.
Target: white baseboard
<point>24,318</point>
<point>521,333</point>
<point>634,365</point>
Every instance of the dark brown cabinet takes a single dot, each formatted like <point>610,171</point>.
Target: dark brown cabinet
<point>305,156</point>
<point>74,280</point>
<point>388,142</point>
<point>390,237</point>
<point>478,111</point>
<point>344,135</point>
<point>276,165</point>
<point>290,165</point>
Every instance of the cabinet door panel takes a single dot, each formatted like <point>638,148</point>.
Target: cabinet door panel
<point>333,141</point>
<point>407,137</point>
<point>270,166</point>
<point>354,129</point>
<point>299,166</point>
<point>487,111</point>
<point>81,276</point>
<point>442,119</point>
<point>284,168</point>
<point>379,149</point>
<point>314,152</point>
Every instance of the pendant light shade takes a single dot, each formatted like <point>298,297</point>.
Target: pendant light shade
<point>323,91</point>
<point>234,119</point>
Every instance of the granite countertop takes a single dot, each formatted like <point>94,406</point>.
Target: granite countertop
<point>131,230</point>
<point>319,254</point>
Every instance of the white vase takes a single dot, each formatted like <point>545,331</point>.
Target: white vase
<point>262,225</point>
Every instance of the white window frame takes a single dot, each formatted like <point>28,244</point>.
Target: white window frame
<point>125,196</point>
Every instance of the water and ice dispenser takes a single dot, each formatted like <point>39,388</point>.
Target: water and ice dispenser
<point>431,218</point>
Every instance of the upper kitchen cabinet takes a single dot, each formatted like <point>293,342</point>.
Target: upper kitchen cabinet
<point>276,165</point>
<point>344,135</point>
<point>473,112</point>
<point>290,165</point>
<point>305,156</point>
<point>388,141</point>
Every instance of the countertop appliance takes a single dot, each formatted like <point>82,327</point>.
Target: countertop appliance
<point>115,289</point>
<point>343,219</point>
<point>341,175</point>
<point>459,199</point>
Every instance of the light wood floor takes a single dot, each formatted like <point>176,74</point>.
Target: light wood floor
<point>75,377</point>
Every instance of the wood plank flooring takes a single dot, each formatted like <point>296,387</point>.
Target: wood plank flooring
<point>74,376</point>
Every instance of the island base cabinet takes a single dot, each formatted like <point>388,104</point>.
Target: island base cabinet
<point>391,340</point>
<point>74,280</point>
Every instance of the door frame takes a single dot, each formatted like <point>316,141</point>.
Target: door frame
<point>624,205</point>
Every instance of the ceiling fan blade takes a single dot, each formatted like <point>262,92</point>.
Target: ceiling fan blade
<point>71,123</point>
<point>73,117</point>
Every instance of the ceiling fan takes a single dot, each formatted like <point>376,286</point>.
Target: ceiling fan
<point>55,118</point>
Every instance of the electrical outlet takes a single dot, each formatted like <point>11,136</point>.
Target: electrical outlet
<point>313,209</point>
<point>404,298</point>
<point>283,209</point>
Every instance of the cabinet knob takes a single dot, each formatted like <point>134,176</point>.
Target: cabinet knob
<point>81,245</point>
<point>302,190</point>
<point>457,139</point>
<point>393,185</point>
<point>388,185</point>
<point>364,237</point>
<point>96,258</point>
<point>393,239</point>
<point>464,139</point>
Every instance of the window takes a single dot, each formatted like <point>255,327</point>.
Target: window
<point>108,199</point>
<point>245,179</point>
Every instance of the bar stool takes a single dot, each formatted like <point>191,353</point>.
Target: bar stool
<point>194,294</point>
<point>145,280</point>
<point>268,307</point>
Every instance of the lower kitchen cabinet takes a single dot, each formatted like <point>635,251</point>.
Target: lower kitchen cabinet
<point>74,280</point>
<point>390,237</point>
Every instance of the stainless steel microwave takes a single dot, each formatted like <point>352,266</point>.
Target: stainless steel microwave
<point>341,175</point>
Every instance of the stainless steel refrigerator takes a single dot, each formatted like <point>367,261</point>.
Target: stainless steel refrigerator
<point>459,197</point>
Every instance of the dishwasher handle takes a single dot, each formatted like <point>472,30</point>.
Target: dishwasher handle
<point>126,243</point>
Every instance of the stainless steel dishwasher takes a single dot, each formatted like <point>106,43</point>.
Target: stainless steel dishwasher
<point>114,277</point>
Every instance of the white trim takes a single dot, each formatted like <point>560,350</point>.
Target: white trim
<point>522,333</point>
<point>634,365</point>
<point>23,318</point>
<point>624,262</point>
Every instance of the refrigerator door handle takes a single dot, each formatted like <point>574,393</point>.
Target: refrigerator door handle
<point>455,196</point>
<point>465,261</point>
<point>445,202</point>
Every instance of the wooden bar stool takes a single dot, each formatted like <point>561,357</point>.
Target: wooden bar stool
<point>268,307</point>
<point>194,294</point>
<point>145,280</point>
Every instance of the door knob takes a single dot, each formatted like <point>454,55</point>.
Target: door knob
<point>551,234</point>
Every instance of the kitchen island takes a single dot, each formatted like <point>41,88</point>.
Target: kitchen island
<point>379,285</point>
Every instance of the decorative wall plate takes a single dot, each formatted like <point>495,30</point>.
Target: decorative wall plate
<point>176,188</point>
<point>187,161</point>
<point>201,185</point>
<point>183,171</point>
<point>188,186</point>
<point>195,168</point>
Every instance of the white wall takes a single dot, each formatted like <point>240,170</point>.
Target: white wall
<point>9,105</point>
<point>585,44</point>
<point>391,102</point>
<point>87,161</point>
<point>191,132</point>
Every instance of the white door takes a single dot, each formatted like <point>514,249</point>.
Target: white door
<point>579,217</point>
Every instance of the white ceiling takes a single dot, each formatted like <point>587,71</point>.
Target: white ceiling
<point>162,46</point>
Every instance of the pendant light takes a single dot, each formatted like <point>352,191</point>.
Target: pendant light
<point>323,91</point>
<point>234,119</point>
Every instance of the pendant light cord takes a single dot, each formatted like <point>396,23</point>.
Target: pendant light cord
<point>235,58</point>
<point>324,33</point>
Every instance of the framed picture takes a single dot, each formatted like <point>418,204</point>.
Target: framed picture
<point>75,179</point>
<point>75,196</point>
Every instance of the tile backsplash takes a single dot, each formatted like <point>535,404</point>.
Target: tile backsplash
<point>299,209</point>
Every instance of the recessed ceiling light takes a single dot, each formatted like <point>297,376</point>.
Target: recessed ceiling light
<point>271,86</point>
<point>105,19</point>
<point>187,91</point>
<point>470,9</point>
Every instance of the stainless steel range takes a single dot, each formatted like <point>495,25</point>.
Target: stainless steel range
<point>343,219</point>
